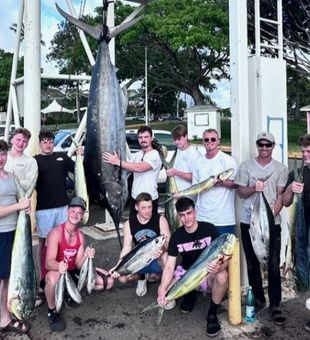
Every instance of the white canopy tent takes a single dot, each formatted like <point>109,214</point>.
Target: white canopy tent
<point>55,107</point>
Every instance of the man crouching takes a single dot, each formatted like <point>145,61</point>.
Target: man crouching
<point>65,251</point>
<point>189,241</point>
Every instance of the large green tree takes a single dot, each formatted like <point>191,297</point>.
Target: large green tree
<point>186,41</point>
<point>6,60</point>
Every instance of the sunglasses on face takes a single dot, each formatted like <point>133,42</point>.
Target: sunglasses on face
<point>267,145</point>
<point>212,139</point>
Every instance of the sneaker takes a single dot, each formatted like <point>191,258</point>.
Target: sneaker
<point>70,303</point>
<point>277,316</point>
<point>213,326</point>
<point>188,302</point>
<point>55,322</point>
<point>170,305</point>
<point>307,326</point>
<point>141,289</point>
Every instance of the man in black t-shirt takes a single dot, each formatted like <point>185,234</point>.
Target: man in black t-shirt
<point>189,241</point>
<point>294,187</point>
<point>52,198</point>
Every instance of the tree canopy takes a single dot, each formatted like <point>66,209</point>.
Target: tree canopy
<point>186,41</point>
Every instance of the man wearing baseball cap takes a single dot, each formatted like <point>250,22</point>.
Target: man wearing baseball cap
<point>263,174</point>
<point>65,251</point>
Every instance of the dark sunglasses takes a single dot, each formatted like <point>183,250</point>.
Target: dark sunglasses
<point>212,139</point>
<point>267,145</point>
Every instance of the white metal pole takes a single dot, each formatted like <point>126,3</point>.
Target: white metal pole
<point>110,23</point>
<point>280,29</point>
<point>82,35</point>
<point>13,77</point>
<point>257,27</point>
<point>32,72</point>
<point>146,91</point>
<point>239,98</point>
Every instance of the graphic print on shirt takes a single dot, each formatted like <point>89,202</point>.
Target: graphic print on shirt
<point>69,254</point>
<point>144,234</point>
<point>198,244</point>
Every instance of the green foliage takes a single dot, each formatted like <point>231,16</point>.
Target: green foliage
<point>187,43</point>
<point>6,60</point>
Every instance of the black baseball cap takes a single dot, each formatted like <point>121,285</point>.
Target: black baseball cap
<point>77,202</point>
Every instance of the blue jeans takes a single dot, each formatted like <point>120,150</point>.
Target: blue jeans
<point>226,229</point>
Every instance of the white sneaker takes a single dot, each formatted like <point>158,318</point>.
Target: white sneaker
<point>141,289</point>
<point>170,305</point>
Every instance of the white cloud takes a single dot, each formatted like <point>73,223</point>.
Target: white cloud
<point>49,20</point>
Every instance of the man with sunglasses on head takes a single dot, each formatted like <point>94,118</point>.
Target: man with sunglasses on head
<point>216,205</point>
<point>145,166</point>
<point>263,174</point>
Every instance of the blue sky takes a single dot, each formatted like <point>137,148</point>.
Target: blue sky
<point>49,20</point>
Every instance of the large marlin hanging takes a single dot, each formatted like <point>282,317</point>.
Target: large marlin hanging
<point>105,128</point>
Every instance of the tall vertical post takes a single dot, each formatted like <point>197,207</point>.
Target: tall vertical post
<point>110,23</point>
<point>12,101</point>
<point>146,92</point>
<point>32,72</point>
<point>239,98</point>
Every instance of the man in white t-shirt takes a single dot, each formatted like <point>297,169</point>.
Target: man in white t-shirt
<point>145,165</point>
<point>185,159</point>
<point>24,167</point>
<point>216,205</point>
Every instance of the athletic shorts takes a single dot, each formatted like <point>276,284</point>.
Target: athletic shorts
<point>180,271</point>
<point>6,246</point>
<point>153,267</point>
<point>47,219</point>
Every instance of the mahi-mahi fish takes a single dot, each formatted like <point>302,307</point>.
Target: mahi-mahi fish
<point>204,185</point>
<point>105,128</point>
<point>22,283</point>
<point>220,249</point>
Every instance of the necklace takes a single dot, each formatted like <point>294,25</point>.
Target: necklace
<point>70,234</point>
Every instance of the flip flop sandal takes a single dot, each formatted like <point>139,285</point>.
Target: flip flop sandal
<point>16,327</point>
<point>39,301</point>
<point>277,317</point>
<point>105,280</point>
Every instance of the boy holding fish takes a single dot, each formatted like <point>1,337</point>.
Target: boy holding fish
<point>189,241</point>
<point>65,251</point>
<point>143,225</point>
<point>9,207</point>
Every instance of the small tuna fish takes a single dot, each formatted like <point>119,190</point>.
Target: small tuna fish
<point>141,256</point>
<point>59,292</point>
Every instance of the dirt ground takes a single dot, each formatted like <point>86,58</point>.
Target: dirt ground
<point>116,314</point>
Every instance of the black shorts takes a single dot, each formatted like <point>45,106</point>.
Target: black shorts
<point>6,246</point>
<point>73,273</point>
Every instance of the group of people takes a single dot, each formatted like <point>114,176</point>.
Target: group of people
<point>205,216</point>
<point>215,210</point>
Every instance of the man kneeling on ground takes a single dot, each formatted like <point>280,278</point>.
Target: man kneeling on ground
<point>65,251</point>
<point>145,224</point>
<point>189,241</point>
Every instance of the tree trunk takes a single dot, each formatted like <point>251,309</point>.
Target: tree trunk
<point>198,97</point>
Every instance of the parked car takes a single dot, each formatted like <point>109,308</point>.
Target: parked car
<point>63,141</point>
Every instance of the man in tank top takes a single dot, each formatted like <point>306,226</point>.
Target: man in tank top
<point>65,251</point>
<point>145,224</point>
